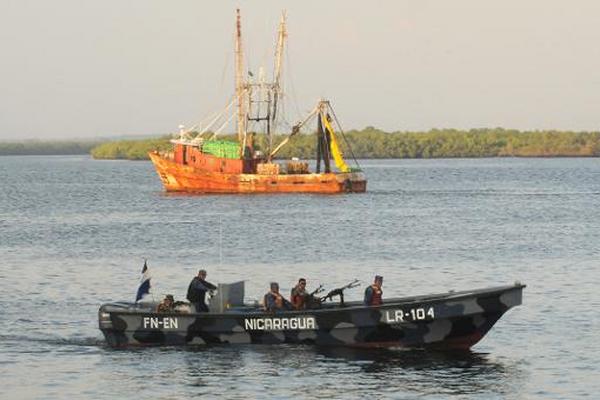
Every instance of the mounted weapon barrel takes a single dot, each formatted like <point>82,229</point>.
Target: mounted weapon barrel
<point>340,292</point>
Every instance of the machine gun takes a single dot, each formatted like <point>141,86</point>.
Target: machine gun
<point>340,292</point>
<point>316,291</point>
<point>313,301</point>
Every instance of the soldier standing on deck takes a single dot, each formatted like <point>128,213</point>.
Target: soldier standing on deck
<point>196,293</point>
<point>373,293</point>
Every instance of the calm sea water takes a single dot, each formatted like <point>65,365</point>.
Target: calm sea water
<point>74,233</point>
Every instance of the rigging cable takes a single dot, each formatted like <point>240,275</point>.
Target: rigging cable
<point>343,135</point>
<point>219,115</point>
<point>218,131</point>
<point>293,87</point>
<point>225,70</point>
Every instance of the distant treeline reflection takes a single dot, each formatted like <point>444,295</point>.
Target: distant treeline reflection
<point>374,143</point>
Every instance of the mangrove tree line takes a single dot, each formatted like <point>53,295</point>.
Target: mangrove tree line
<point>374,143</point>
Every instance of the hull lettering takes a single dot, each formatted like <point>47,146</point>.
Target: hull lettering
<point>409,315</point>
<point>279,324</point>
<point>160,323</point>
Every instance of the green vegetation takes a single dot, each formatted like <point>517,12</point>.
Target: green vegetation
<point>447,143</point>
<point>130,149</point>
<point>367,143</point>
<point>36,147</point>
<point>436,143</point>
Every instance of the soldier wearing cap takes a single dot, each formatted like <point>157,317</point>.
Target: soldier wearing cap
<point>197,289</point>
<point>373,293</point>
<point>274,301</point>
<point>167,305</point>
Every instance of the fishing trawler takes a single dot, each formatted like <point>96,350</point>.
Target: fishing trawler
<point>200,162</point>
<point>452,320</point>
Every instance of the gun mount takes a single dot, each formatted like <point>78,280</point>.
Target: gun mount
<point>340,292</point>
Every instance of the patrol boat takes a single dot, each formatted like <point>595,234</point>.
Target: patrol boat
<point>453,320</point>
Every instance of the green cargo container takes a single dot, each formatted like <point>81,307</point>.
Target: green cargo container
<point>222,148</point>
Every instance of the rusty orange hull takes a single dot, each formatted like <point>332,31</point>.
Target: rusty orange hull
<point>177,177</point>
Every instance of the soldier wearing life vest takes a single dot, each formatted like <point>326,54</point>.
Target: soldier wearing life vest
<point>299,295</point>
<point>373,293</point>
<point>274,301</point>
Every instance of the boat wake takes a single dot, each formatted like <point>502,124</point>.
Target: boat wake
<point>54,341</point>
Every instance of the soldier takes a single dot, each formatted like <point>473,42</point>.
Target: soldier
<point>373,293</point>
<point>299,295</point>
<point>197,289</point>
<point>275,301</point>
<point>167,305</point>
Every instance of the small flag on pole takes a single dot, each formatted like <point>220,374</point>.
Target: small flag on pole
<point>144,283</point>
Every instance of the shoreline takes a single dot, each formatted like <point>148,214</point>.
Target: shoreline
<point>369,143</point>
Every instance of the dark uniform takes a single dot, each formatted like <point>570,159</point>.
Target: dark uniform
<point>196,293</point>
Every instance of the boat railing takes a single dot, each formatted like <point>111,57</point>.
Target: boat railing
<point>167,155</point>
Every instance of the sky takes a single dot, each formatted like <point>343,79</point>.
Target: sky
<point>88,69</point>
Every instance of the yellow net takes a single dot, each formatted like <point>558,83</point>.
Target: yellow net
<point>335,149</point>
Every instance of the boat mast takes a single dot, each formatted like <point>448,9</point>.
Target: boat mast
<point>323,151</point>
<point>278,62</point>
<point>240,85</point>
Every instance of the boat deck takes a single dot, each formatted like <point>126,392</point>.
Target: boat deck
<point>249,309</point>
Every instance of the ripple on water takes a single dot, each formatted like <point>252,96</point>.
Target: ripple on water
<point>74,233</point>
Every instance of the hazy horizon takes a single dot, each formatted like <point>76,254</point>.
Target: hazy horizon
<point>85,70</point>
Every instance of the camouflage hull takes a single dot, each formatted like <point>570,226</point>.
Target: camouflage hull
<point>455,320</point>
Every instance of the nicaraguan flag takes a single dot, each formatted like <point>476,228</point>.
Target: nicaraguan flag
<point>144,283</point>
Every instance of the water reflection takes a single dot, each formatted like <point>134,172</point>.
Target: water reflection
<point>464,372</point>
<point>404,373</point>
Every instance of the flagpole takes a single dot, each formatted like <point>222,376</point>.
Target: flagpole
<point>144,287</point>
